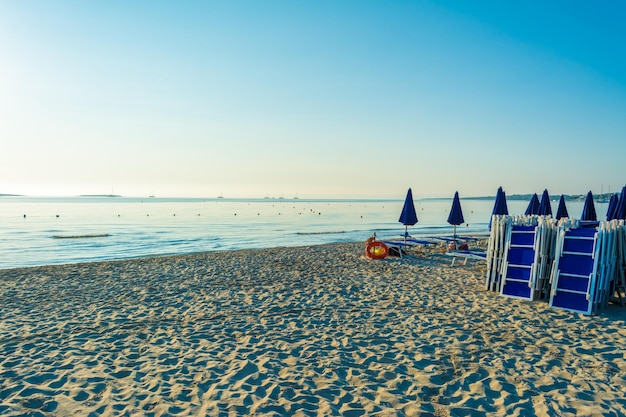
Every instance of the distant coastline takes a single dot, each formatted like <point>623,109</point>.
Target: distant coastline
<point>100,195</point>
<point>567,197</point>
<point>513,197</point>
<point>527,197</point>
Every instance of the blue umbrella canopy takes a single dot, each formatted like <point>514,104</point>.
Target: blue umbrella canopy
<point>589,209</point>
<point>408,217</point>
<point>561,212</point>
<point>533,206</point>
<point>611,211</point>
<point>620,211</point>
<point>499,207</point>
<point>455,217</point>
<point>545,209</point>
<point>456,213</point>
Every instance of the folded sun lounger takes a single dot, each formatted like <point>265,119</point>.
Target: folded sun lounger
<point>575,271</point>
<point>520,260</point>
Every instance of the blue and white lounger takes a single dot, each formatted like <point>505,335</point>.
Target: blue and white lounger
<point>467,254</point>
<point>573,283</point>
<point>399,246</point>
<point>426,243</point>
<point>519,263</point>
<point>408,244</point>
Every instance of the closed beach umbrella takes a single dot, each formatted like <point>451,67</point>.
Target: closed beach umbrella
<point>499,208</point>
<point>408,217</point>
<point>589,209</point>
<point>620,211</point>
<point>456,214</point>
<point>611,211</point>
<point>533,206</point>
<point>561,212</point>
<point>545,209</point>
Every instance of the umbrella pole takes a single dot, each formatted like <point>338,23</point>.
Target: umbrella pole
<point>455,247</point>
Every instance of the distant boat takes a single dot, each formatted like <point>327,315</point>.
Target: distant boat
<point>220,196</point>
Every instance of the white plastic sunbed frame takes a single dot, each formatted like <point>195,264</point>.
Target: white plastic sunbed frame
<point>495,252</point>
<point>467,254</point>
<point>408,244</point>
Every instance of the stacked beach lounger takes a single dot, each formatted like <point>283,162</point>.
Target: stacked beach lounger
<point>519,256</point>
<point>620,264</point>
<point>495,252</point>
<point>577,268</point>
<point>528,254</point>
<point>588,270</point>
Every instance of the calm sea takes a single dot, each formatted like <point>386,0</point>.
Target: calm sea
<point>43,231</point>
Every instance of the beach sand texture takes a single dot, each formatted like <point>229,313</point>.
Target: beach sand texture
<point>309,331</point>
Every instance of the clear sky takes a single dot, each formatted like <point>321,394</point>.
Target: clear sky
<point>312,98</point>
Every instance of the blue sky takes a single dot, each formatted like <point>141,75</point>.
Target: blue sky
<point>314,99</point>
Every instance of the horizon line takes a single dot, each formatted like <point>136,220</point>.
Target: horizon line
<point>295,198</point>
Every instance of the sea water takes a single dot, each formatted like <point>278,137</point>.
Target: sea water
<point>44,231</point>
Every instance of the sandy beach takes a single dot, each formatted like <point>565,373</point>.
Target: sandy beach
<point>310,331</point>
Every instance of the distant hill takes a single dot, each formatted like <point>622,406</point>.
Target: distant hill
<point>568,197</point>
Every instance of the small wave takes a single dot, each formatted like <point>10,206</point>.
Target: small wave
<point>80,236</point>
<point>321,233</point>
<point>382,229</point>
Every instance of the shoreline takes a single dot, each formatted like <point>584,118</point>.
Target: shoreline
<point>139,258</point>
<point>301,330</point>
<point>480,235</point>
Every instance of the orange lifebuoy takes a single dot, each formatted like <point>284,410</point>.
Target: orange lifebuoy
<point>376,250</point>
